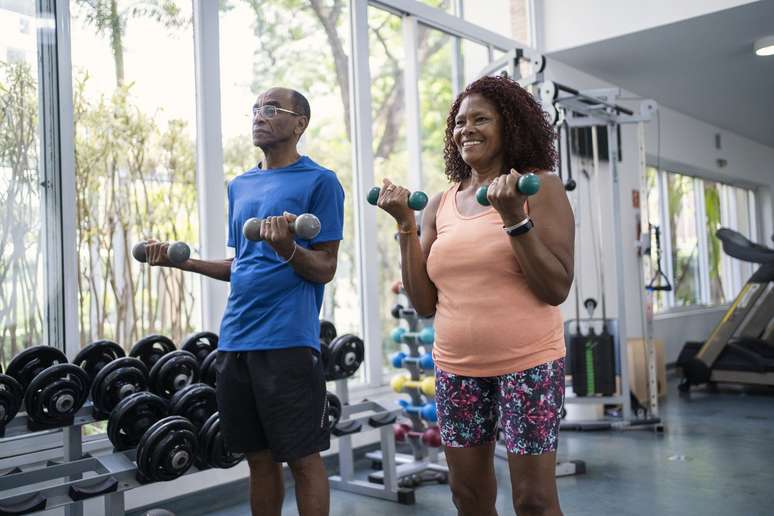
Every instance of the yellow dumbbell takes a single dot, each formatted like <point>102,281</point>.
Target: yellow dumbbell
<point>425,385</point>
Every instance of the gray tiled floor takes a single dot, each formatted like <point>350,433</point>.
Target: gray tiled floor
<point>726,441</point>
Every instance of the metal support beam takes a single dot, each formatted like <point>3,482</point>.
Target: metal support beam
<point>210,180</point>
<point>411,89</point>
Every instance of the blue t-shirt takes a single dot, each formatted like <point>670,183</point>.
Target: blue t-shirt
<point>270,306</point>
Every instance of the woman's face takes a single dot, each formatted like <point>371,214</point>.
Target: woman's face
<point>478,131</point>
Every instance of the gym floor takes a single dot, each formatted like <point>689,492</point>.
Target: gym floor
<point>714,459</point>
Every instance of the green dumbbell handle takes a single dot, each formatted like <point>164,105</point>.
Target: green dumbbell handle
<point>416,201</point>
<point>528,184</point>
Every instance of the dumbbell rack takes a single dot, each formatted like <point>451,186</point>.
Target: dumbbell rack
<point>378,417</point>
<point>114,473</point>
<point>424,462</point>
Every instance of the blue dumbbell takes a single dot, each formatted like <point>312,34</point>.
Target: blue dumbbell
<point>425,362</point>
<point>428,412</point>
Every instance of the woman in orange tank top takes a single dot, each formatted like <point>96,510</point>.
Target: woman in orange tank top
<point>493,277</point>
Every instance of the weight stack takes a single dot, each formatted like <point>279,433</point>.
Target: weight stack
<point>592,359</point>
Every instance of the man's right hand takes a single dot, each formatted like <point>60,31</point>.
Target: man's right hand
<point>156,253</point>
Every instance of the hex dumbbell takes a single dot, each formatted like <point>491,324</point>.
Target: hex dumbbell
<point>402,382</point>
<point>400,359</point>
<point>430,437</point>
<point>426,335</point>
<point>528,184</point>
<point>416,200</point>
<point>177,252</point>
<point>428,411</point>
<point>306,226</point>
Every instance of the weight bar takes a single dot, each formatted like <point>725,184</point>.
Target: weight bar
<point>177,252</point>
<point>528,184</point>
<point>400,359</point>
<point>306,226</point>
<point>402,382</point>
<point>428,411</point>
<point>416,200</point>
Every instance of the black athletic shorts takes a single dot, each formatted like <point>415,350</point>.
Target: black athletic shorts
<point>273,400</point>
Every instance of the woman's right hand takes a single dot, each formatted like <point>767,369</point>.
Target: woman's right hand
<point>394,200</point>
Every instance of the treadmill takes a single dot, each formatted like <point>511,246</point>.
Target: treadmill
<point>741,347</point>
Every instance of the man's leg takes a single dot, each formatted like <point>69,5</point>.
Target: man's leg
<point>266,488</point>
<point>312,489</point>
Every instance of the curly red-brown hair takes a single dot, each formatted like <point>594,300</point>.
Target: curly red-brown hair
<point>528,139</point>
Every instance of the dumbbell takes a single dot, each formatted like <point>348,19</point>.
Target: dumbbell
<point>428,412</point>
<point>400,359</point>
<point>177,252</point>
<point>395,312</point>
<point>430,437</point>
<point>528,184</point>
<point>306,226</point>
<point>426,335</point>
<point>398,285</point>
<point>426,385</point>
<point>416,201</point>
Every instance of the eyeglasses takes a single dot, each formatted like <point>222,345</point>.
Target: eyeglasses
<point>270,111</point>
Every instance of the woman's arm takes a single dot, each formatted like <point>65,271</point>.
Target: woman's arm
<point>546,252</point>
<point>394,200</point>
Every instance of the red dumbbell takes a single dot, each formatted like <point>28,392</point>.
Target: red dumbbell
<point>432,437</point>
<point>401,431</point>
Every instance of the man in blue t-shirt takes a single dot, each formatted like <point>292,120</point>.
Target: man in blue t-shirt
<point>270,385</point>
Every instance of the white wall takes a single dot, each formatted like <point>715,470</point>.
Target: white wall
<point>684,141</point>
<point>569,24</point>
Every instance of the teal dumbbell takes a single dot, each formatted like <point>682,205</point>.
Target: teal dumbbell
<point>528,184</point>
<point>416,201</point>
<point>397,334</point>
<point>427,335</point>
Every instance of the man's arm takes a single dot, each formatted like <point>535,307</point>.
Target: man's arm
<point>317,264</point>
<point>156,253</point>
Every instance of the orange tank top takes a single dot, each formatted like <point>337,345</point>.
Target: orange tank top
<point>487,320</point>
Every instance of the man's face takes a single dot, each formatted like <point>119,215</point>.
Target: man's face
<point>283,127</point>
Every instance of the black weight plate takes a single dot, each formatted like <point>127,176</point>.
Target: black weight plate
<point>325,357</point>
<point>327,331</point>
<point>208,371</point>
<point>56,394</point>
<point>333,409</point>
<point>196,403</point>
<point>166,450</point>
<point>149,349</point>
<point>117,380</point>
<point>213,451</point>
<point>347,353</point>
<point>97,355</point>
<point>29,363</point>
<point>11,396</point>
<point>132,417</point>
<point>201,344</point>
<point>172,372</point>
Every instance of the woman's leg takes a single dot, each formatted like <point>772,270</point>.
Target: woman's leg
<point>467,418</point>
<point>472,480</point>
<point>530,404</point>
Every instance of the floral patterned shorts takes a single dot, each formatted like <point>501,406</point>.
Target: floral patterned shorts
<point>527,405</point>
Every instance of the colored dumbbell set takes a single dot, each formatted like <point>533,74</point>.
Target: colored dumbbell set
<point>428,411</point>
<point>425,336</point>
<point>424,362</point>
<point>402,382</point>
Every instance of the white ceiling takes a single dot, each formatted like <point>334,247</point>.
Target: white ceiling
<point>703,67</point>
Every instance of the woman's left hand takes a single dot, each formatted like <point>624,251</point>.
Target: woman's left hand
<point>506,199</point>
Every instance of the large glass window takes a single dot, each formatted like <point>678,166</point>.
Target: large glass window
<point>261,46</point>
<point>22,260</point>
<point>134,117</point>
<point>692,256</point>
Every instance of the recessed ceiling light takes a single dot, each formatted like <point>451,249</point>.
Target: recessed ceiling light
<point>764,46</point>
